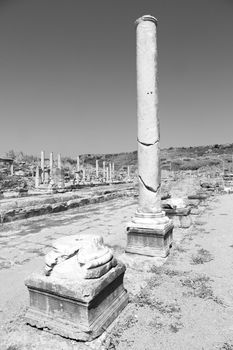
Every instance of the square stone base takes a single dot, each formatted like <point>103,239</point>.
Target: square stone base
<point>80,309</point>
<point>181,217</point>
<point>151,241</point>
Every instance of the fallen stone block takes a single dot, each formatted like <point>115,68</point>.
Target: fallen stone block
<point>56,208</point>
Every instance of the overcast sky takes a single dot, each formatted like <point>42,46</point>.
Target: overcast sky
<point>68,76</point>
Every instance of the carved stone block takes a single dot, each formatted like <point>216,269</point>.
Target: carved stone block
<point>148,240</point>
<point>78,309</point>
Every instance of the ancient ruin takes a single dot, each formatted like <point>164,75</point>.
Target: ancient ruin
<point>81,290</point>
<point>150,231</point>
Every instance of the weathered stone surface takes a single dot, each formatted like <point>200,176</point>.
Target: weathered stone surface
<point>165,196</point>
<point>180,216</point>
<point>177,211</point>
<point>198,196</point>
<point>56,208</point>
<point>78,255</point>
<point>177,203</point>
<point>78,309</point>
<point>149,232</point>
<point>149,241</point>
<point>71,269</point>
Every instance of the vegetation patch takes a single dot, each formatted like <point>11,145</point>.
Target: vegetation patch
<point>199,287</point>
<point>156,324</point>
<point>179,249</point>
<point>144,298</point>
<point>118,330</point>
<point>175,326</point>
<point>5,265</point>
<point>201,257</point>
<point>226,346</point>
<point>165,271</point>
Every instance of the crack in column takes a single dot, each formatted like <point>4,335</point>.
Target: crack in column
<point>149,188</point>
<point>148,144</point>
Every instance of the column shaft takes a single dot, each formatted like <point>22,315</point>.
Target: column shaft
<point>42,166</point>
<point>147,114</point>
<point>59,161</point>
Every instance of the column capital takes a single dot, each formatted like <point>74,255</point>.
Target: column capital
<point>146,18</point>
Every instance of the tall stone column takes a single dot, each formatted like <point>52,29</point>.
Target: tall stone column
<point>128,172</point>
<point>37,177</point>
<point>59,161</point>
<point>97,168</point>
<point>107,174</point>
<point>113,170</point>
<point>12,169</point>
<point>78,163</point>
<point>104,171</point>
<point>84,175</point>
<point>110,171</point>
<point>42,165</point>
<point>150,231</point>
<point>51,164</point>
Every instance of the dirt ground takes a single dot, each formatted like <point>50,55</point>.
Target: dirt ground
<point>184,303</point>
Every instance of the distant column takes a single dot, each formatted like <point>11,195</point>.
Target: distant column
<point>97,168</point>
<point>107,174</point>
<point>51,164</point>
<point>59,161</point>
<point>150,231</point>
<point>42,166</point>
<point>104,171</point>
<point>12,169</point>
<point>110,171</point>
<point>84,174</point>
<point>128,172</point>
<point>78,163</point>
<point>46,177</point>
<point>37,177</point>
<point>113,170</point>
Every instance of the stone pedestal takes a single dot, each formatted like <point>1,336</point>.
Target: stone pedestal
<point>181,217</point>
<point>80,291</point>
<point>194,206</point>
<point>148,236</point>
<point>201,197</point>
<point>80,309</point>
